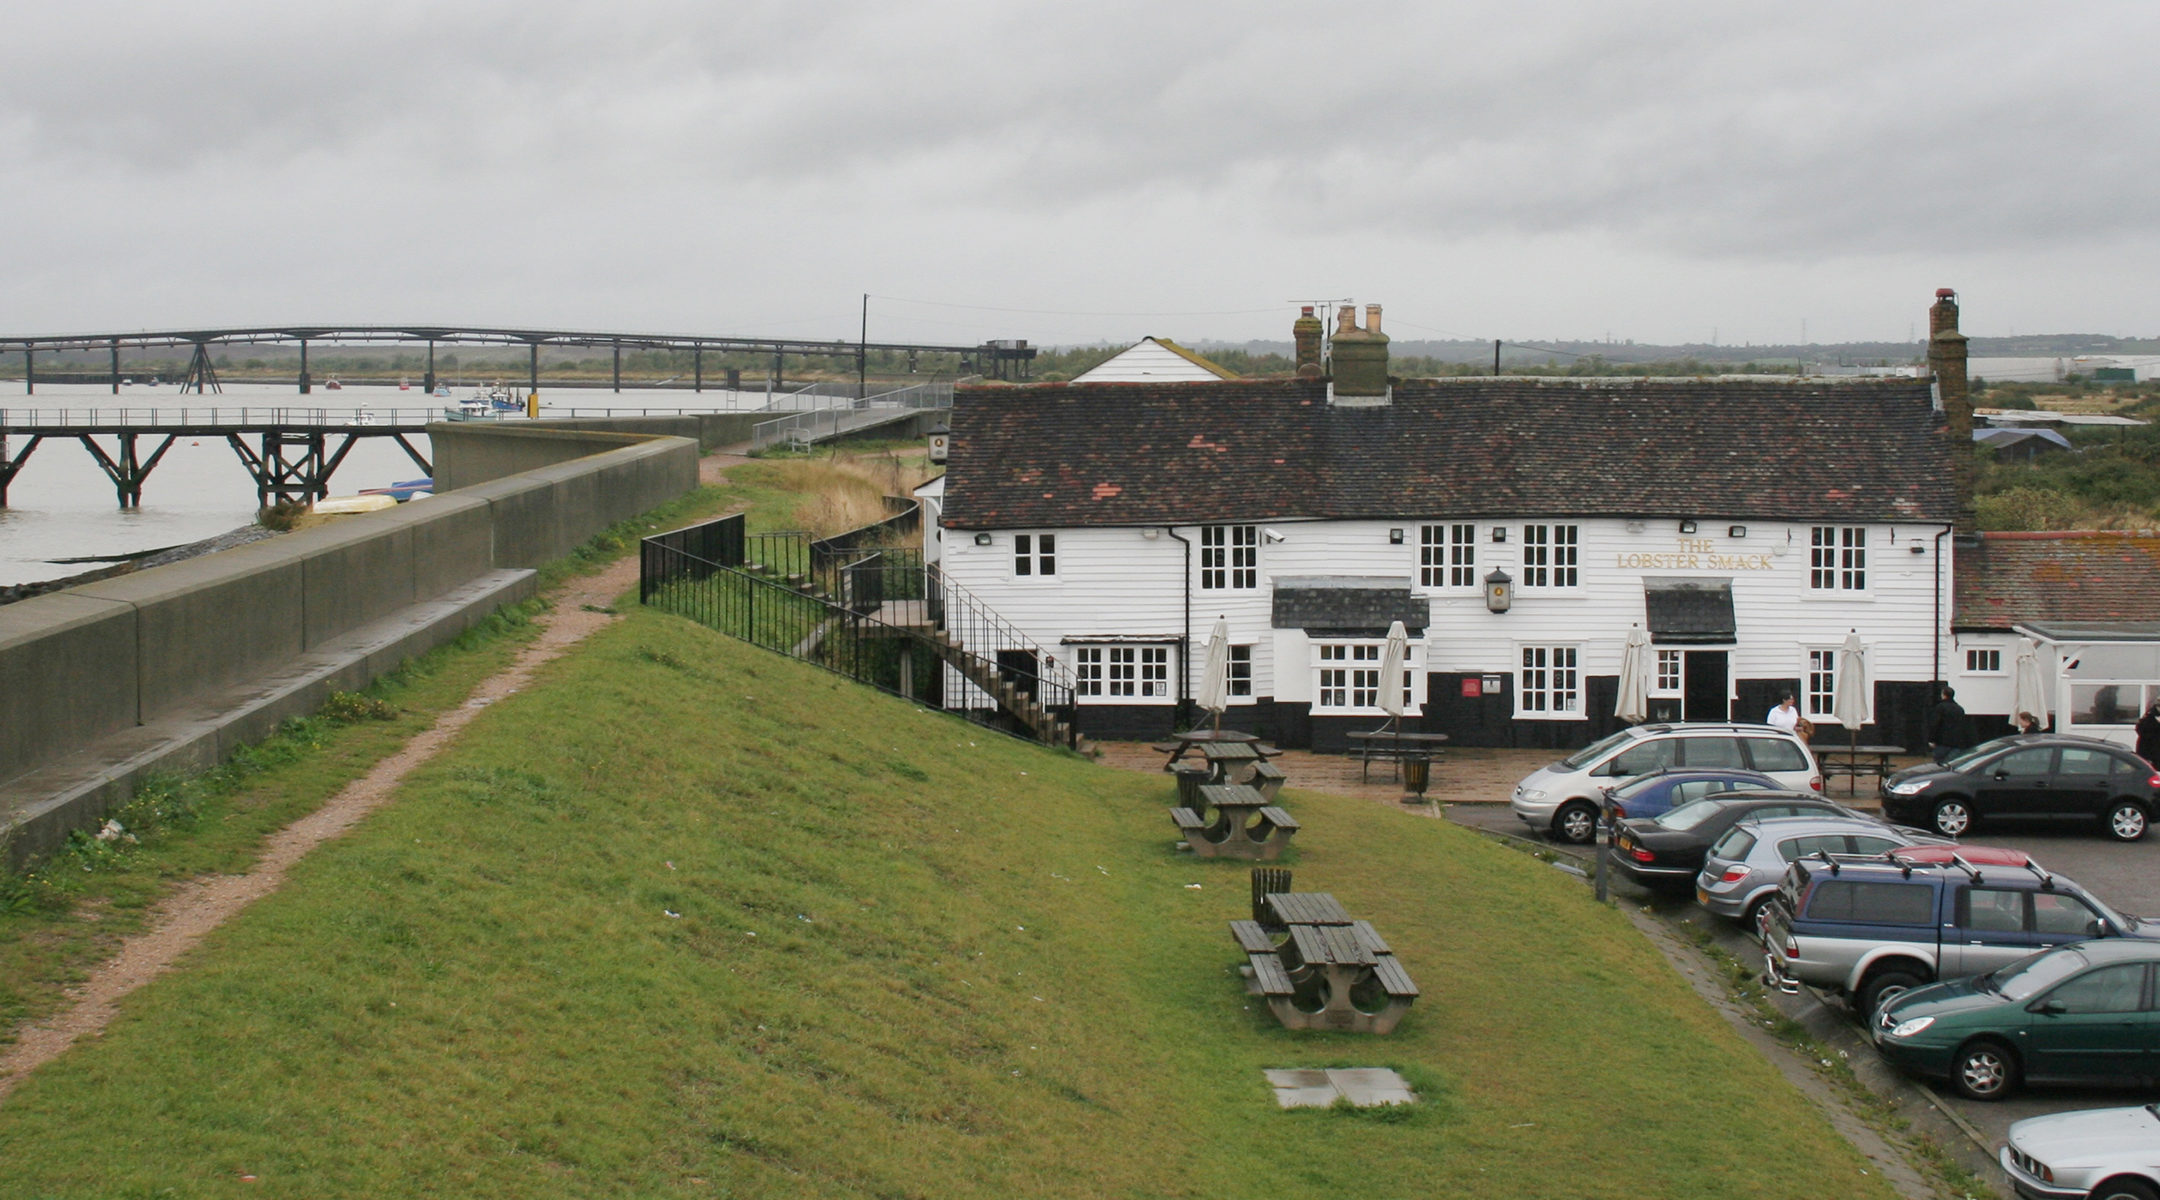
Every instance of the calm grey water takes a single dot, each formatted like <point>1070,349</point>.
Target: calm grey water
<point>62,505</point>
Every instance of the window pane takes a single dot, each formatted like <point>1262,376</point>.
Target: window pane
<point>2056,913</point>
<point>2116,989</point>
<point>1712,752</point>
<point>1775,754</point>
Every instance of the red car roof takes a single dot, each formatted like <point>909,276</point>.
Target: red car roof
<point>1979,856</point>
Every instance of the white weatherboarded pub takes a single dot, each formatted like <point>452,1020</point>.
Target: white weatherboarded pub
<point>1517,527</point>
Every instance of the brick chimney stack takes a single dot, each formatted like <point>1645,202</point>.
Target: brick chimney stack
<point>1946,364</point>
<point>1305,332</point>
<point>1361,359</point>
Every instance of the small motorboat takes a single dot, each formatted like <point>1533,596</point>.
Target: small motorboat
<point>442,391</point>
<point>404,490</point>
<point>472,408</point>
<point>333,385</point>
<point>404,385</point>
<point>362,417</point>
<point>354,504</point>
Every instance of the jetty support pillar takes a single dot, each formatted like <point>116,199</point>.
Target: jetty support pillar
<point>306,384</point>
<point>428,380</point>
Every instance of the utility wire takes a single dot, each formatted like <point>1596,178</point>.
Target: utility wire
<point>1061,312</point>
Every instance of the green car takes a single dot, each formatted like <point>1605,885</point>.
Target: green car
<point>2080,1013</point>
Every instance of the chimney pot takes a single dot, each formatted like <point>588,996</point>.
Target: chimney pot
<point>1372,318</point>
<point>1346,320</point>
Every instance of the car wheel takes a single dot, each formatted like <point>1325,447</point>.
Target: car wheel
<point>1984,1070</point>
<point>2125,1189</point>
<point>1884,986</point>
<point>1575,823</point>
<point>2126,821</point>
<point>1751,919</point>
<point>1953,819</point>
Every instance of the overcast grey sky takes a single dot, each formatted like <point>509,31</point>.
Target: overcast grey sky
<point>1083,171</point>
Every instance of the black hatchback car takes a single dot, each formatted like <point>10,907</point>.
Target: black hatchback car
<point>2036,777</point>
<point>1666,851</point>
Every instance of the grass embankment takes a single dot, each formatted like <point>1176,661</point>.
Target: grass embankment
<point>69,912</point>
<point>688,919</point>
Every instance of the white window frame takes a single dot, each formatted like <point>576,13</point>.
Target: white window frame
<point>1983,660</point>
<point>1229,557</point>
<point>1240,672</point>
<point>1346,677</point>
<point>1670,665</point>
<point>1549,682</point>
<point>1818,683</point>
<point>1447,555</point>
<point>1552,556</point>
<point>1122,673</point>
<point>1837,558</point>
<point>1035,556</point>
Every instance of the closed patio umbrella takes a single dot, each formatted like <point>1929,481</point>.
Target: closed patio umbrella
<point>1391,669</point>
<point>1633,705</point>
<point>2029,693</point>
<point>1214,693</point>
<point>1850,693</point>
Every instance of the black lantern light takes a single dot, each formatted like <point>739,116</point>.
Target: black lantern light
<point>1499,591</point>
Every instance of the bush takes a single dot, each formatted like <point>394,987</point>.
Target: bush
<point>282,516</point>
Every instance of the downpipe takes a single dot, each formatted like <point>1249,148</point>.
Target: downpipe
<point>1184,657</point>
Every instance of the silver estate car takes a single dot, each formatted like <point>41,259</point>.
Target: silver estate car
<point>1742,871</point>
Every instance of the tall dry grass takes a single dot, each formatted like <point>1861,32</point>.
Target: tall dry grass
<point>846,493</point>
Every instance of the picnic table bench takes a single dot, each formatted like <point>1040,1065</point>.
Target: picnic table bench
<point>1393,746</point>
<point>1331,972</point>
<point>1180,745</point>
<point>1854,761</point>
<point>1245,825</point>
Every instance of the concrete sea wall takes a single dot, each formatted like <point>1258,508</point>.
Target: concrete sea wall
<point>172,667</point>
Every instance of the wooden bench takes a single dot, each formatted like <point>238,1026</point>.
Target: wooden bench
<point>1275,823</point>
<point>1269,979</point>
<point>1266,778</point>
<point>1393,979</point>
<point>1189,822</point>
<point>1252,937</point>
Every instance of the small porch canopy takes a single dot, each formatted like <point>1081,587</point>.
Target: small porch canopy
<point>2102,673</point>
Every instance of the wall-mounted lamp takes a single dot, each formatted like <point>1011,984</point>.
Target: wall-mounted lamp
<point>1688,526</point>
<point>1273,535</point>
<point>1394,537</point>
<point>982,539</point>
<point>1151,533</point>
<point>1919,547</point>
<point>1499,533</point>
<point>1737,531</point>
<point>1634,526</point>
<point>1499,591</point>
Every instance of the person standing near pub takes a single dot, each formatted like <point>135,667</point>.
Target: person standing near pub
<point>2148,735</point>
<point>1786,715</point>
<point>1949,730</point>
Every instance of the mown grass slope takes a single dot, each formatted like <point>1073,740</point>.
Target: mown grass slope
<point>688,919</point>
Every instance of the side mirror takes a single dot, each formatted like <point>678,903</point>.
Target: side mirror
<point>2001,775</point>
<point>2050,1007</point>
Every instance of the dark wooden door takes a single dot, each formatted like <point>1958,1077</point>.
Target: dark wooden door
<point>1459,706</point>
<point>1706,685</point>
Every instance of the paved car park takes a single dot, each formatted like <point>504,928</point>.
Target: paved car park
<point>2122,874</point>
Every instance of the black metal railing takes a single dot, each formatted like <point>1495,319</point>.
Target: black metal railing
<point>846,634</point>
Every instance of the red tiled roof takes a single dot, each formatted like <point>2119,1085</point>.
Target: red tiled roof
<point>1069,455</point>
<point>2083,575</point>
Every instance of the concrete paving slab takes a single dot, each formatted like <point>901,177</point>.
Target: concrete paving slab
<point>1365,1087</point>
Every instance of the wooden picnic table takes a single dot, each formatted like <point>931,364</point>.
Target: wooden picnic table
<point>1182,744</point>
<point>1307,908</point>
<point>1328,974</point>
<point>1245,825</point>
<point>1853,761</point>
<point>1393,745</point>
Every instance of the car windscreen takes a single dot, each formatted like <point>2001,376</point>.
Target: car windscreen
<point>1636,787</point>
<point>1595,751</point>
<point>1966,759</point>
<point>2025,978</point>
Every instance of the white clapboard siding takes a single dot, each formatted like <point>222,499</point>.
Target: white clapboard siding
<point>1122,583</point>
<point>1149,362</point>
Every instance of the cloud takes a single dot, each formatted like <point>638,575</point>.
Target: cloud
<point>650,153</point>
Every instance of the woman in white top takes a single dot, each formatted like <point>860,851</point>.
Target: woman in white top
<point>1786,715</point>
